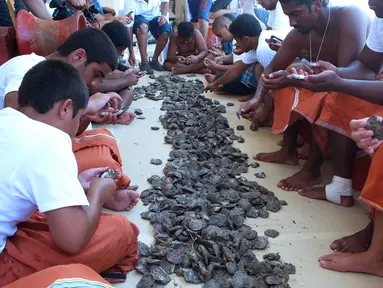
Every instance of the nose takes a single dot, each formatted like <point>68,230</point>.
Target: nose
<point>293,22</point>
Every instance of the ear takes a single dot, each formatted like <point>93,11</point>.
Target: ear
<point>316,5</point>
<point>78,56</point>
<point>66,108</point>
<point>226,26</point>
<point>246,39</point>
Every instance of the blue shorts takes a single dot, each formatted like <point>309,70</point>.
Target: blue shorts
<point>153,25</point>
<point>199,9</point>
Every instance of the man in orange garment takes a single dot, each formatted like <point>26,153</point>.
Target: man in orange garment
<point>40,173</point>
<point>331,34</point>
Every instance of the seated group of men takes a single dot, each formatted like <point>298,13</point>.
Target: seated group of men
<point>324,74</point>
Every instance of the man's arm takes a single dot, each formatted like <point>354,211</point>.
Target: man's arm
<point>172,50</point>
<point>232,73</point>
<point>201,46</point>
<point>370,91</point>
<point>117,84</point>
<point>38,8</point>
<point>367,67</point>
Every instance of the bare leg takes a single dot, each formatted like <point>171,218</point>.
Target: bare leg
<point>262,117</point>
<point>369,262</point>
<point>358,242</point>
<point>343,156</point>
<point>160,45</point>
<point>309,175</point>
<point>221,12</point>
<point>142,39</point>
<point>303,152</point>
<point>203,27</point>
<point>288,153</point>
<point>191,68</point>
<point>124,200</point>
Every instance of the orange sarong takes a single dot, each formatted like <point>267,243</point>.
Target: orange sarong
<point>61,274</point>
<point>290,104</point>
<point>372,194</point>
<point>98,148</point>
<point>113,248</point>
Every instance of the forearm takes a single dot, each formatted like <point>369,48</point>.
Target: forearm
<point>113,85</point>
<point>357,70</point>
<point>164,8</point>
<point>227,59</point>
<point>38,8</point>
<point>369,90</point>
<point>202,55</point>
<point>93,213</point>
<point>231,74</point>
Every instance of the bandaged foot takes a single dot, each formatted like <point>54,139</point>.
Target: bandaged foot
<point>339,192</point>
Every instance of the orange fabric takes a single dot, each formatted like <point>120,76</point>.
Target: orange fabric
<point>290,103</point>
<point>46,277</point>
<point>98,148</point>
<point>339,109</point>
<point>372,192</point>
<point>31,249</point>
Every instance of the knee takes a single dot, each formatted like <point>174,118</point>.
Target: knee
<point>124,232</point>
<point>143,29</point>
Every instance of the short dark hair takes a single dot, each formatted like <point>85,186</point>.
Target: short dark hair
<point>118,33</point>
<point>97,45</point>
<point>245,25</point>
<point>308,3</point>
<point>222,20</point>
<point>185,30</point>
<point>49,82</point>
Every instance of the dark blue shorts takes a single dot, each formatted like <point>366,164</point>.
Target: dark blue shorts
<point>154,27</point>
<point>199,9</point>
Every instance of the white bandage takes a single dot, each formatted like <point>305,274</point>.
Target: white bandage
<point>337,188</point>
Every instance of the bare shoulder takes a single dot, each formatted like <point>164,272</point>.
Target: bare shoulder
<point>295,38</point>
<point>197,34</point>
<point>349,13</point>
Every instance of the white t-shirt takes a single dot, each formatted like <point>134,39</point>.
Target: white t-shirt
<point>149,10</point>
<point>278,21</point>
<point>12,73</point>
<point>38,171</point>
<point>375,38</point>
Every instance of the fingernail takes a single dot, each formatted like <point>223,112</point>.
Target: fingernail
<point>322,262</point>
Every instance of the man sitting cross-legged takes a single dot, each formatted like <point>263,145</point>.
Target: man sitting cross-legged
<point>187,51</point>
<point>93,54</point>
<point>291,105</point>
<point>42,175</point>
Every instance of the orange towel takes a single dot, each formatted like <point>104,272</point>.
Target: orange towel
<point>47,277</point>
<point>98,148</point>
<point>371,193</point>
<point>113,247</point>
<point>290,103</point>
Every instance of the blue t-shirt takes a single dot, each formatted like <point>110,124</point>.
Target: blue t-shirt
<point>98,5</point>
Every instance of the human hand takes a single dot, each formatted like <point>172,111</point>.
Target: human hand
<point>132,60</point>
<point>275,80</point>
<point>211,65</point>
<point>124,19</point>
<point>211,87</point>
<point>77,3</point>
<point>87,176</point>
<point>108,10</point>
<point>363,137</point>
<point>326,81</point>
<point>217,51</point>
<point>99,101</point>
<point>321,66</point>
<point>106,118</point>
<point>181,59</point>
<point>218,60</point>
<point>162,20</point>
<point>246,109</point>
<point>274,44</point>
<point>103,188</point>
<point>131,17</point>
<point>191,59</point>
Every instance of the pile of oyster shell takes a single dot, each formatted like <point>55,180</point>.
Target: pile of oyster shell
<point>198,208</point>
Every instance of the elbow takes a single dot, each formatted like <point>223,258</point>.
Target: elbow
<point>70,247</point>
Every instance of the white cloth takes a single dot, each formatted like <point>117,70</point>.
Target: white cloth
<point>38,171</point>
<point>375,38</point>
<point>148,10</point>
<point>278,21</point>
<point>12,73</point>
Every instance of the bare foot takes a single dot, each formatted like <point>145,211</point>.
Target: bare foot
<point>358,242</point>
<point>263,116</point>
<point>209,78</point>
<point>246,98</point>
<point>320,194</point>
<point>281,156</point>
<point>364,262</point>
<point>302,179</point>
<point>126,118</point>
<point>174,71</point>
<point>124,200</point>
<point>303,152</point>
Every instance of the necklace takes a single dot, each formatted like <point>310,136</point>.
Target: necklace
<point>324,36</point>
